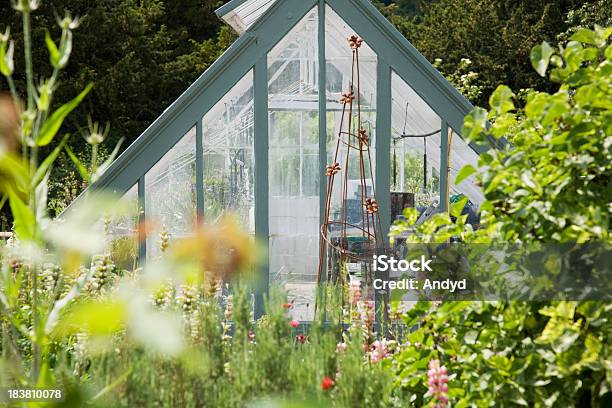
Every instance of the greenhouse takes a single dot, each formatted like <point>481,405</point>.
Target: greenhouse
<point>254,134</point>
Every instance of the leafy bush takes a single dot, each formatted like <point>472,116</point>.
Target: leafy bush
<point>550,182</point>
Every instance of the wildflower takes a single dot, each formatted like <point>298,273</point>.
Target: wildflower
<point>68,23</point>
<point>187,298</point>
<point>367,318</point>
<point>194,326</point>
<point>287,305</point>
<point>341,347</point>
<point>164,239</point>
<point>300,338</point>
<point>354,292</point>
<point>378,350</point>
<point>251,336</point>
<point>327,383</point>
<point>96,134</point>
<point>103,272</point>
<point>437,379</point>
<point>294,323</point>
<point>26,5</point>
<point>50,276</point>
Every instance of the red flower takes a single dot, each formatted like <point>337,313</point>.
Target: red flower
<point>251,336</point>
<point>327,383</point>
<point>301,338</point>
<point>294,324</point>
<point>287,305</point>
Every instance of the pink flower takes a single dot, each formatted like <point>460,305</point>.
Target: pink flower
<point>300,338</point>
<point>341,347</point>
<point>327,383</point>
<point>378,350</point>
<point>294,323</point>
<point>437,380</point>
<point>354,292</point>
<point>251,336</point>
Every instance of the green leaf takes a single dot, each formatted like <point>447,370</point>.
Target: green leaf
<point>586,36</point>
<point>6,59</point>
<point>411,215</point>
<point>474,124</point>
<point>52,125</point>
<point>44,167</point>
<point>501,100</point>
<point>94,318</point>
<point>503,124</point>
<point>54,54</point>
<point>80,167</point>
<point>573,56</point>
<point>24,220</point>
<point>540,57</point>
<point>457,208</point>
<point>13,174</point>
<point>41,192</point>
<point>465,172</point>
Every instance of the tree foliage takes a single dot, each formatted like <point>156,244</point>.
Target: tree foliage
<point>140,56</point>
<point>553,182</point>
<point>496,35</point>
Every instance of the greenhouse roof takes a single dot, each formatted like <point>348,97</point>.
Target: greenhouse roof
<point>264,30</point>
<point>241,14</point>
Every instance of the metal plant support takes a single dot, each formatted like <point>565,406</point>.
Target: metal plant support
<point>352,234</point>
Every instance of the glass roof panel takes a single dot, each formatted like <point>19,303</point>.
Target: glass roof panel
<point>293,72</point>
<point>339,62</point>
<point>242,17</point>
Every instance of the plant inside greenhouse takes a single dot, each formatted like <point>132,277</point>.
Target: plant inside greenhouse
<point>305,203</point>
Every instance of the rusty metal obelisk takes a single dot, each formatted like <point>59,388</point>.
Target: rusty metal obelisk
<point>351,232</point>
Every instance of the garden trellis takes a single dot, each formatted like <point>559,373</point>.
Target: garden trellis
<point>253,134</point>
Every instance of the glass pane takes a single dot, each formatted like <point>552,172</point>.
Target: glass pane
<point>227,139</point>
<point>294,165</point>
<point>122,232</point>
<point>462,154</point>
<point>415,149</point>
<point>170,188</point>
